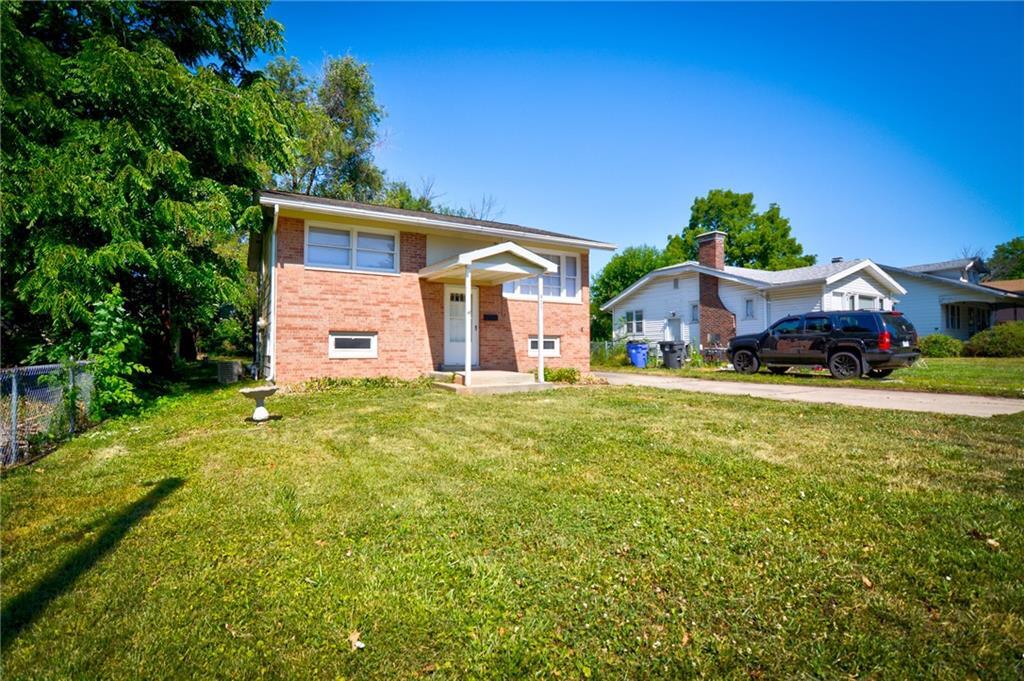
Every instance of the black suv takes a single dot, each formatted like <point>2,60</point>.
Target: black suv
<point>850,344</point>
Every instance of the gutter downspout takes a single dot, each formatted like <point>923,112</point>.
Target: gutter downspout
<point>272,325</point>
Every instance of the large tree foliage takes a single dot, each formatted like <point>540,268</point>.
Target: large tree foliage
<point>758,240</point>
<point>134,141</point>
<point>622,270</point>
<point>335,132</point>
<point>1007,261</point>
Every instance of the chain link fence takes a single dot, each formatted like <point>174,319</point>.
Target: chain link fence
<point>40,406</point>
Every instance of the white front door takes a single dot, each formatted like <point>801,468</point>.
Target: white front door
<point>455,325</point>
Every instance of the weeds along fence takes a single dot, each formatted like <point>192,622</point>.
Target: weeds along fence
<point>40,406</point>
<point>614,352</point>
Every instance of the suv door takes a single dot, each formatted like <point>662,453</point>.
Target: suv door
<point>783,341</point>
<point>817,331</point>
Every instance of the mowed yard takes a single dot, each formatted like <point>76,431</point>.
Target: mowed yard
<point>998,377</point>
<point>586,532</point>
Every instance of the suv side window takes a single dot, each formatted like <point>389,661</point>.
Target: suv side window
<point>787,327</point>
<point>817,325</point>
<point>855,323</point>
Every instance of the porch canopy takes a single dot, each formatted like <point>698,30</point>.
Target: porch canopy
<point>493,266</point>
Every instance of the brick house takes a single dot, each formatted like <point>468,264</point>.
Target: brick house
<point>705,303</point>
<point>350,289</point>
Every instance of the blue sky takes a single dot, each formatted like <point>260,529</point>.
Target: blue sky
<point>894,132</point>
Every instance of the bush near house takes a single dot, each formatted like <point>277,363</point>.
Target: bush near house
<point>562,375</point>
<point>941,345</point>
<point>1002,340</point>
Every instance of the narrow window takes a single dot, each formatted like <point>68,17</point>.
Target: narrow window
<point>694,312</point>
<point>675,283</point>
<point>552,346</point>
<point>748,308</point>
<point>350,345</point>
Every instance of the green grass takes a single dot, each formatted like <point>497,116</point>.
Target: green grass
<point>1003,377</point>
<point>589,532</point>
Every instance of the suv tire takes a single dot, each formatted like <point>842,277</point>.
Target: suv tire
<point>844,365</point>
<point>778,370</point>
<point>879,373</point>
<point>745,362</point>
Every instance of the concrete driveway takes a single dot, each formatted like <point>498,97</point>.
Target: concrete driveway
<point>963,405</point>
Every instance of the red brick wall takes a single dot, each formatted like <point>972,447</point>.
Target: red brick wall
<point>408,316</point>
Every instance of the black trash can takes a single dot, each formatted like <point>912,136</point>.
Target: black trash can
<point>672,353</point>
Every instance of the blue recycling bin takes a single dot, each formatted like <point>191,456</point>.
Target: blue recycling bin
<point>637,354</point>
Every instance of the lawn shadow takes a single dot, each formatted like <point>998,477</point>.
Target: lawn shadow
<point>25,608</point>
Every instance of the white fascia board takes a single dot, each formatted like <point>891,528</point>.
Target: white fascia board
<point>875,270</point>
<point>955,282</point>
<point>436,223</point>
<point>683,268</point>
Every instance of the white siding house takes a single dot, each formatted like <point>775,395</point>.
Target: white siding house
<point>669,302</point>
<point>944,298</point>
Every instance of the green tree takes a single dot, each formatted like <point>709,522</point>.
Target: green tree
<point>622,270</point>
<point>1007,261</point>
<point>335,130</point>
<point>134,142</point>
<point>757,240</point>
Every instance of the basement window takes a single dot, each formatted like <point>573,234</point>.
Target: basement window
<point>352,345</point>
<point>552,346</point>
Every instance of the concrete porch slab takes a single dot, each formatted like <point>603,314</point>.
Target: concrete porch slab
<point>488,382</point>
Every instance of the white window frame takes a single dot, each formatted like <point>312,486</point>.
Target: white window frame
<point>953,317</point>
<point>559,259</point>
<point>354,232</point>
<point>748,304</point>
<point>532,346</point>
<point>352,353</point>
<point>694,312</point>
<point>629,318</point>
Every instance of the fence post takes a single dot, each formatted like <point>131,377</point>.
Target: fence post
<point>72,402</point>
<point>14,417</point>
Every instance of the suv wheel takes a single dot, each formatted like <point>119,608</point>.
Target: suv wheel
<point>879,373</point>
<point>746,362</point>
<point>778,370</point>
<point>844,365</point>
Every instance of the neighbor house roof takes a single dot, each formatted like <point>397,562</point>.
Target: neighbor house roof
<point>946,280</point>
<point>958,264</point>
<point>767,279</point>
<point>1011,285</point>
<point>368,211</point>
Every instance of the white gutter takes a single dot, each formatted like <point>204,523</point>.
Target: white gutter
<point>272,325</point>
<point>439,223</point>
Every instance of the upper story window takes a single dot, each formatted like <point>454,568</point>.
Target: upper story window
<point>563,283</point>
<point>359,250</point>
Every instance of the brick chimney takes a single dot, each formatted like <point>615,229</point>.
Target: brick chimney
<point>717,323</point>
<point>711,249</point>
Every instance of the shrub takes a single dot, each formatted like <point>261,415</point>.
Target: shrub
<point>1002,340</point>
<point>228,336</point>
<point>329,384</point>
<point>114,346</point>
<point>563,375</point>
<point>940,345</point>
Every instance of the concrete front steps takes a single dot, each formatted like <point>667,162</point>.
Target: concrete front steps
<point>488,382</point>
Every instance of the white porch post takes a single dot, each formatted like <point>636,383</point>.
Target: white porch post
<point>469,326</point>
<point>540,328</point>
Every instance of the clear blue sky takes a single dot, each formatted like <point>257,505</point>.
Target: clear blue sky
<point>894,132</point>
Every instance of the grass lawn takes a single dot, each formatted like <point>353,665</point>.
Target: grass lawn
<point>591,532</point>
<point>1002,377</point>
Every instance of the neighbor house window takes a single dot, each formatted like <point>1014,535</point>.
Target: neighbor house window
<point>867,303</point>
<point>348,345</point>
<point>564,283</point>
<point>346,249</point>
<point>552,346</point>
<point>694,312</point>
<point>952,316</point>
<point>748,308</point>
<point>675,283</point>
<point>634,322</point>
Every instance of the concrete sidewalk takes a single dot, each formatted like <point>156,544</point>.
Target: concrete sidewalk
<point>964,405</point>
